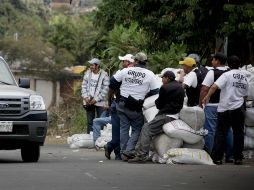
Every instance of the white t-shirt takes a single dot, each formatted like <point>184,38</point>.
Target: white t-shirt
<point>136,81</point>
<point>191,79</point>
<point>234,86</point>
<point>209,80</point>
<point>93,83</point>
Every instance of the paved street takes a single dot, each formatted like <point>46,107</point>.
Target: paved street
<point>62,168</point>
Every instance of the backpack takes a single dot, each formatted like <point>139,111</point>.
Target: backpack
<point>201,72</point>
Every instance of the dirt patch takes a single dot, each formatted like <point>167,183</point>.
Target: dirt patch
<point>56,139</point>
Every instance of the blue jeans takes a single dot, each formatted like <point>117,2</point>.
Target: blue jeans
<point>114,144</point>
<point>211,117</point>
<point>128,119</point>
<point>98,123</point>
<point>90,115</point>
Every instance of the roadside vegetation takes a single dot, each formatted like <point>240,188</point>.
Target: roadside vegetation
<point>35,37</point>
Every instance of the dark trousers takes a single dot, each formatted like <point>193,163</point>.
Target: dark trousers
<point>114,144</point>
<point>227,119</point>
<point>91,114</point>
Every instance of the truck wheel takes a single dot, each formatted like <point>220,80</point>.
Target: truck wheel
<point>30,153</point>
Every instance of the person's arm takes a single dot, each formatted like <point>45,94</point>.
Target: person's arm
<point>203,92</point>
<point>211,91</point>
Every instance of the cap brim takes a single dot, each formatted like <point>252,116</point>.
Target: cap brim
<point>181,62</point>
<point>121,58</point>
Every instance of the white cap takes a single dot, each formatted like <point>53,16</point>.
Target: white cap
<point>94,61</point>
<point>127,57</point>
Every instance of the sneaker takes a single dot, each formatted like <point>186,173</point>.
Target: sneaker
<point>238,162</point>
<point>137,160</point>
<point>107,151</point>
<point>129,154</point>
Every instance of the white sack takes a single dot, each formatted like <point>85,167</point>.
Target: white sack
<point>198,145</point>
<point>250,75</point>
<point>158,159</point>
<point>106,136</point>
<point>249,131</point>
<point>179,129</point>
<point>162,143</point>
<point>81,141</point>
<point>248,143</point>
<point>188,156</point>
<point>193,116</point>
<point>150,101</point>
<point>150,113</point>
<point>249,117</point>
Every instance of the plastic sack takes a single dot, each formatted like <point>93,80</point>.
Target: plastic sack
<point>249,117</point>
<point>150,113</point>
<point>158,159</point>
<point>106,136</point>
<point>188,156</point>
<point>249,131</point>
<point>162,143</point>
<point>150,101</point>
<point>179,129</point>
<point>193,116</point>
<point>81,141</point>
<point>248,143</point>
<point>199,145</point>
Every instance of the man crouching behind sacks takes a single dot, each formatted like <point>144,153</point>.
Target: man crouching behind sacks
<point>169,103</point>
<point>135,84</point>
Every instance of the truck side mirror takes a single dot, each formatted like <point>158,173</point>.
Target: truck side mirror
<point>24,82</point>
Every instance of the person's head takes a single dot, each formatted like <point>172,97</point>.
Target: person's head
<point>140,58</point>
<point>95,65</point>
<point>126,60</point>
<point>167,77</point>
<point>219,59</point>
<point>195,57</point>
<point>188,64</point>
<point>234,62</point>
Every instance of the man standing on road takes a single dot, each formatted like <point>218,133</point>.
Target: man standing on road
<point>94,90</point>
<point>135,83</point>
<point>169,103</point>
<point>218,63</point>
<point>113,97</point>
<point>234,89</point>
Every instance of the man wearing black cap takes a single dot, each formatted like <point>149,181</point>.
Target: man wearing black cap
<point>169,103</point>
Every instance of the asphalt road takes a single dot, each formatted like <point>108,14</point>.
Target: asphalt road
<point>62,168</point>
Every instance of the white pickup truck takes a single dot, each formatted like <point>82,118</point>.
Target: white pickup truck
<point>23,116</point>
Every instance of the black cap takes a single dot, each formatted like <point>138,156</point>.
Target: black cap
<point>221,57</point>
<point>169,74</point>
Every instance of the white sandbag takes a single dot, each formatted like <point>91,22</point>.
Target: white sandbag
<point>162,143</point>
<point>249,132</point>
<point>150,101</point>
<point>198,145</point>
<point>150,113</point>
<point>250,76</point>
<point>188,156</point>
<point>106,136</point>
<point>249,117</point>
<point>179,129</point>
<point>193,116</point>
<point>81,141</point>
<point>248,143</point>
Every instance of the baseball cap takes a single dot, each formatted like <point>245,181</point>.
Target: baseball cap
<point>127,57</point>
<point>169,74</point>
<point>95,61</point>
<point>140,57</point>
<point>188,61</point>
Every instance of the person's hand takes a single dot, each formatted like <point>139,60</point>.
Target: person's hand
<point>93,101</point>
<point>205,100</point>
<point>86,101</point>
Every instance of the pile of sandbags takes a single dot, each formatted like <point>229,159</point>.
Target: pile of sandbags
<point>186,132</point>
<point>81,141</point>
<point>106,136</point>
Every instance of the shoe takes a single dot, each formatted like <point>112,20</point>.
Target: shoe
<point>129,154</point>
<point>238,162</point>
<point>137,160</point>
<point>217,162</point>
<point>107,151</point>
<point>124,158</point>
